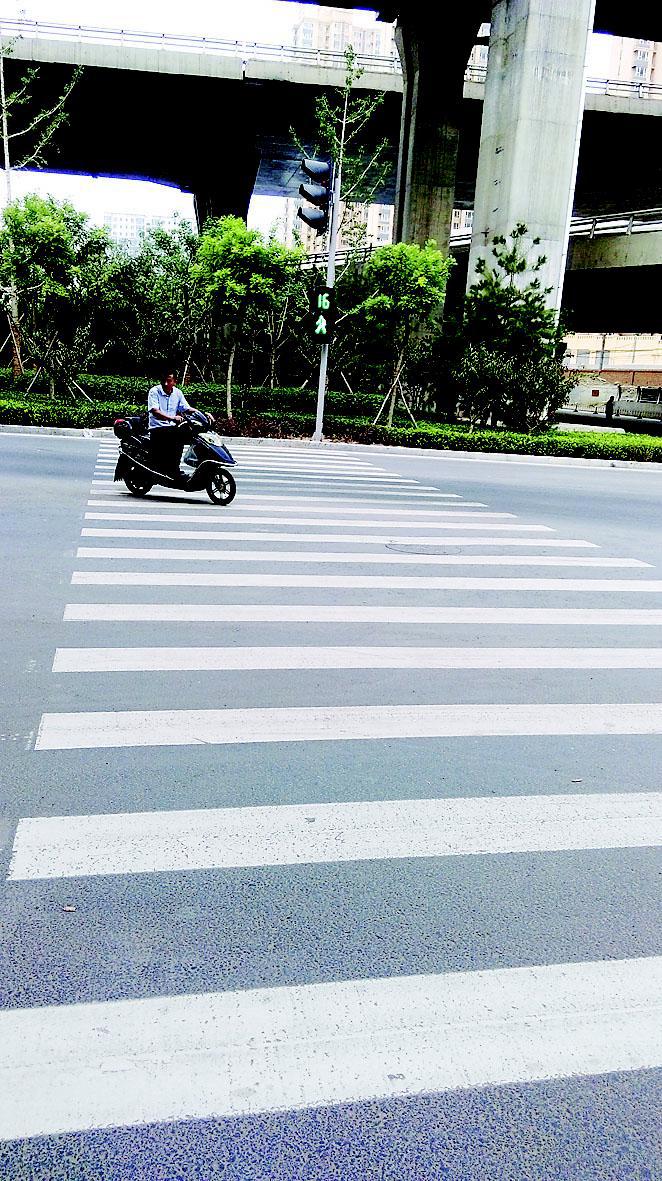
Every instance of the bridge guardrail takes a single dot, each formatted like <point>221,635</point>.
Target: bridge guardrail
<point>635,221</point>
<point>610,87</point>
<point>255,50</point>
<point>215,46</point>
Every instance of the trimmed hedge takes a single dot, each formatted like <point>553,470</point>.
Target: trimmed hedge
<point>288,424</point>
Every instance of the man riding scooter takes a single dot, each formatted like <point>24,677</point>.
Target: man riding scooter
<point>165,403</point>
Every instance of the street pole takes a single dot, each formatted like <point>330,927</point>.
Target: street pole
<point>330,280</point>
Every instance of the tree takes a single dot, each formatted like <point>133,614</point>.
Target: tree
<point>244,278</point>
<point>25,144</point>
<point>503,310</point>
<point>511,366</point>
<point>60,270</point>
<point>405,286</point>
<point>164,300</point>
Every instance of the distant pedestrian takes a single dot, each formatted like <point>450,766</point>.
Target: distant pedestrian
<point>609,408</point>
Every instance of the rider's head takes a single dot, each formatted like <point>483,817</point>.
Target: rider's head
<point>167,381</point>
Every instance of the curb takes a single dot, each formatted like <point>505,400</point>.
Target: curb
<point>522,457</point>
<point>71,432</point>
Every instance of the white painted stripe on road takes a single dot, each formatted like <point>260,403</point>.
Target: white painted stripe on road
<point>226,658</point>
<point>285,500</point>
<point>336,581</point>
<point>287,613</point>
<point>389,557</point>
<point>564,585</point>
<point>70,1068</point>
<point>311,834</point>
<point>270,535</point>
<point>192,727</point>
<point>294,478</point>
<point>251,463</point>
<point>292,504</point>
<point>389,522</point>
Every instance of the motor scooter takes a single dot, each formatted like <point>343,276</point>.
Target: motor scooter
<point>203,465</point>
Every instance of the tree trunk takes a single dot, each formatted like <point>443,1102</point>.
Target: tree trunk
<point>394,388</point>
<point>14,327</point>
<point>228,391</point>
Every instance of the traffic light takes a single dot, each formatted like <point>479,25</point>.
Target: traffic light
<point>320,172</point>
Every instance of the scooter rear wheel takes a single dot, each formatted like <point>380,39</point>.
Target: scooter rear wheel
<point>220,487</point>
<point>137,483</point>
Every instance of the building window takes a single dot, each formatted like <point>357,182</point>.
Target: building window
<point>583,359</point>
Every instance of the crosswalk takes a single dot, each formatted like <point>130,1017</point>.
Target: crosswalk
<point>321,620</point>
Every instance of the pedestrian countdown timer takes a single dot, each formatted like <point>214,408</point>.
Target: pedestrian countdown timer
<point>323,314</point>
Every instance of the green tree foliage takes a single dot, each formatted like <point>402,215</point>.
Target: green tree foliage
<point>160,302</point>
<point>511,366</point>
<point>246,281</point>
<point>60,269</point>
<point>404,290</point>
<point>27,131</point>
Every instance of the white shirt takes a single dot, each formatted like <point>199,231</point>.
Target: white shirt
<point>171,403</point>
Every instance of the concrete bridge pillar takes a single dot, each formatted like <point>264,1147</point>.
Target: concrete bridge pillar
<point>532,119</point>
<point>428,149</point>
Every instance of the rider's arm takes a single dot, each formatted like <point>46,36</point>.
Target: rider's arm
<point>165,417</point>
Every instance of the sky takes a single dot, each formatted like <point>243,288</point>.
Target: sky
<point>265,21</point>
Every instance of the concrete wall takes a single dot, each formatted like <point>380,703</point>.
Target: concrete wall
<point>616,250</point>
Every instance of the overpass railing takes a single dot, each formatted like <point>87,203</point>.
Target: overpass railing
<point>638,221</point>
<point>632,222</point>
<point>611,87</point>
<point>261,51</point>
<point>176,42</point>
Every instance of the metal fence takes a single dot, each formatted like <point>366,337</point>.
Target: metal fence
<point>611,87</point>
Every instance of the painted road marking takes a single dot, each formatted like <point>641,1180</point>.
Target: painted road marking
<point>313,613</point>
<point>345,581</point>
<point>75,1067</point>
<point>306,834</point>
<point>272,535</point>
<point>388,556</point>
<point>291,504</point>
<point>186,727</point>
<point>175,659</point>
<point>360,522</point>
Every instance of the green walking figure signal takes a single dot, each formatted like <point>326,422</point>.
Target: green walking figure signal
<point>323,314</point>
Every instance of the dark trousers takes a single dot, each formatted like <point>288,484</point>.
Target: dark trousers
<point>166,445</point>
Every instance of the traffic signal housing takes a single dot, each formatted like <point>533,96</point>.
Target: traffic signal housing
<point>318,192</point>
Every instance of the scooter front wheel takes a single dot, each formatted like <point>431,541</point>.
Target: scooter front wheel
<point>136,481</point>
<point>220,486</point>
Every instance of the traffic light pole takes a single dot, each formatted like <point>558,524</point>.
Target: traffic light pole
<point>330,280</point>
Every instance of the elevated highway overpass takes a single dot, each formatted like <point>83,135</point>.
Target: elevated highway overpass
<point>223,130</point>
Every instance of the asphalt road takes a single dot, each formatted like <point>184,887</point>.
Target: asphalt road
<point>320,869</point>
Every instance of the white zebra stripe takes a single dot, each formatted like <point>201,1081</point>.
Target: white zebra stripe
<point>298,834</point>
<point>213,727</point>
<point>75,1067</point>
<point>233,659</point>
